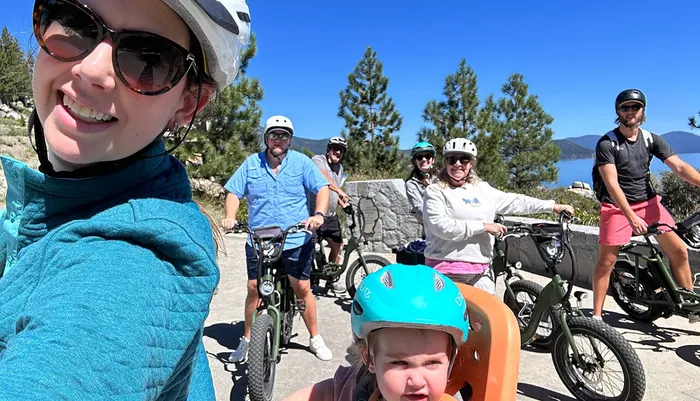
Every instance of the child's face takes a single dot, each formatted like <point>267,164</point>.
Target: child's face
<point>410,364</point>
<point>92,82</point>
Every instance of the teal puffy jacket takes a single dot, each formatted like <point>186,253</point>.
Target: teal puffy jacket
<point>106,286</point>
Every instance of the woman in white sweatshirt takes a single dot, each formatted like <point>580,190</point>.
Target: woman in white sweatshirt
<point>458,214</point>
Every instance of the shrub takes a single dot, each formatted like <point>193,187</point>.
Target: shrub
<point>679,197</point>
<point>585,208</point>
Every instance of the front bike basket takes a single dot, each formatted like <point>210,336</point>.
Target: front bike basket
<point>548,241</point>
<point>267,233</point>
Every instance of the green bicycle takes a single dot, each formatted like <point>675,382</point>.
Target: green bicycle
<point>364,264</point>
<point>646,290</point>
<point>584,351</point>
<point>273,322</point>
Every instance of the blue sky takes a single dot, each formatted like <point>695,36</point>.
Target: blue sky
<point>575,56</point>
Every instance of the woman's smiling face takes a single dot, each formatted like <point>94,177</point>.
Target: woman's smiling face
<point>87,113</point>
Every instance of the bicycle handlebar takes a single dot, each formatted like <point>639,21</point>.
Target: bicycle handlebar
<point>653,229</point>
<point>523,230</point>
<point>294,228</point>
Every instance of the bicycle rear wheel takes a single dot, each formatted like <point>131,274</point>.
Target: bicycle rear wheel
<point>526,293</point>
<point>356,273</point>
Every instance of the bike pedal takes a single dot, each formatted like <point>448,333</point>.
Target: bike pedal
<point>301,306</point>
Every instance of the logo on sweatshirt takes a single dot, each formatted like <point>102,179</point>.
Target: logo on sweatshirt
<point>472,201</point>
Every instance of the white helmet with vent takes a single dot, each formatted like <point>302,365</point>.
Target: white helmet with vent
<point>222,28</point>
<point>460,145</point>
<point>279,122</point>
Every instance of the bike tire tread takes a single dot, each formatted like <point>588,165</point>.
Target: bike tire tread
<point>628,358</point>
<point>256,355</point>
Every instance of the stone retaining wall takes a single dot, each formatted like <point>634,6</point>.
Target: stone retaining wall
<point>384,207</point>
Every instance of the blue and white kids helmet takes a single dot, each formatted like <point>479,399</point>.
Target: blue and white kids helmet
<point>410,296</point>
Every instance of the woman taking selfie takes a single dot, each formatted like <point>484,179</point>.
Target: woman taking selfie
<point>109,266</point>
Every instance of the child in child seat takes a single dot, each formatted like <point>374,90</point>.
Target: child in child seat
<point>408,323</point>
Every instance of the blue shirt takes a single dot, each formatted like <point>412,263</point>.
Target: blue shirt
<point>107,285</point>
<point>277,200</point>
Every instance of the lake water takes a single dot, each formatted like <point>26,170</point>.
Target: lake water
<point>580,169</point>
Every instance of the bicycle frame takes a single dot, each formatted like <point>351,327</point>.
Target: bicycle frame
<point>553,293</point>
<point>658,269</point>
<point>327,271</point>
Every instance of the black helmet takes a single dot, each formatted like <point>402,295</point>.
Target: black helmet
<point>630,95</point>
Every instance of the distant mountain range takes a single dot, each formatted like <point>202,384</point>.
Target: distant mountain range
<point>317,146</point>
<point>583,147</point>
<point>580,147</point>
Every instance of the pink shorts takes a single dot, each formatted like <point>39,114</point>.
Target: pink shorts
<point>616,230</point>
<point>453,267</point>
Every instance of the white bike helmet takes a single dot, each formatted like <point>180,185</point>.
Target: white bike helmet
<point>279,122</point>
<point>460,145</point>
<point>222,28</point>
<point>339,141</point>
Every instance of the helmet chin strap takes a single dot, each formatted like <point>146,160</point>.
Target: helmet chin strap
<point>460,179</point>
<point>465,178</point>
<point>278,157</point>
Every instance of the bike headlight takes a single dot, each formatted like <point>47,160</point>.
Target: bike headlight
<point>553,247</point>
<point>267,288</point>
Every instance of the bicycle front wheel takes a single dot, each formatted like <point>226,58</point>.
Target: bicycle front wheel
<point>261,363</point>
<point>609,370</point>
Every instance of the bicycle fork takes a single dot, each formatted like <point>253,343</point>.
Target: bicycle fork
<point>570,338</point>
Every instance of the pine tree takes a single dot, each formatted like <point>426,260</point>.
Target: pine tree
<point>228,129</point>
<point>15,69</point>
<point>490,164</point>
<point>527,147</point>
<point>371,119</point>
<point>456,115</point>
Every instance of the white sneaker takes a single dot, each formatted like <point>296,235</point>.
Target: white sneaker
<point>241,353</point>
<point>338,287</point>
<point>318,347</point>
<point>694,318</point>
<point>596,317</point>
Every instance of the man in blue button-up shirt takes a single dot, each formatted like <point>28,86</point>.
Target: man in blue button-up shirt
<point>275,182</point>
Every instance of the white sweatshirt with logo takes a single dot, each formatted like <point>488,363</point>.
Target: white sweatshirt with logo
<point>454,219</point>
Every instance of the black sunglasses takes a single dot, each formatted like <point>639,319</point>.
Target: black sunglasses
<point>146,63</point>
<point>275,135</point>
<point>452,160</point>
<point>634,107</point>
<point>336,148</point>
<point>423,156</point>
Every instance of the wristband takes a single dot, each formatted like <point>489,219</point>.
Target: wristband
<point>319,213</point>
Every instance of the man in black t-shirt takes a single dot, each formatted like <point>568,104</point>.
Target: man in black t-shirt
<point>628,201</point>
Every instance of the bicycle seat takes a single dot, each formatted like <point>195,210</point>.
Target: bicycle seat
<point>490,359</point>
